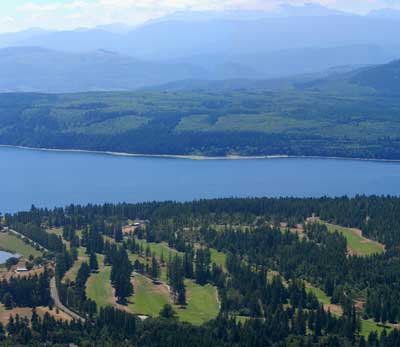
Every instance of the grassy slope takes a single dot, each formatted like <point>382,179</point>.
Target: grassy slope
<point>82,257</point>
<point>218,258</point>
<point>12,243</point>
<point>158,249</point>
<point>203,303</point>
<point>98,286</point>
<point>357,244</point>
<point>147,299</point>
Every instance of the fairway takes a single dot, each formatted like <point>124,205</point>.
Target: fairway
<point>148,298</point>
<point>73,271</point>
<point>11,243</point>
<point>158,248</point>
<point>203,303</point>
<point>368,326</point>
<point>356,243</point>
<point>218,258</point>
<point>98,286</point>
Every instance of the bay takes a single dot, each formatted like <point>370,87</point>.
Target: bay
<point>49,179</point>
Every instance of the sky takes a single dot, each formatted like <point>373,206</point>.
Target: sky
<point>17,15</point>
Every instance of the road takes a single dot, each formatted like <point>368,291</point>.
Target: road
<point>59,304</point>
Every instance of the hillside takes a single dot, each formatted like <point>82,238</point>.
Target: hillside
<point>380,79</point>
<point>214,123</point>
<point>162,272</point>
<point>383,78</point>
<point>33,69</point>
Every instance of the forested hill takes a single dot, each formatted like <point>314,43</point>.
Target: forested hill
<point>213,123</point>
<point>376,79</point>
<point>283,272</point>
<point>384,78</point>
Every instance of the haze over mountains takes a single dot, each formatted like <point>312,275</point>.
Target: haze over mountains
<point>291,41</point>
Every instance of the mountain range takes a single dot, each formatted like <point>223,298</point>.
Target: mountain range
<point>202,46</point>
<point>35,69</point>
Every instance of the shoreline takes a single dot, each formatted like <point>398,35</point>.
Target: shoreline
<point>195,157</point>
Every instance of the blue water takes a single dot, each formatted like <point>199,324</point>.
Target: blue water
<point>4,256</point>
<point>51,179</point>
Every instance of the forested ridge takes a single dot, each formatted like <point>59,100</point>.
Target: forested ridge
<point>299,121</point>
<point>262,285</point>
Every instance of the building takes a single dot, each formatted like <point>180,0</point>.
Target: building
<point>21,270</point>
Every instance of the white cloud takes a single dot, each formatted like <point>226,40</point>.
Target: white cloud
<point>50,7</point>
<point>87,13</point>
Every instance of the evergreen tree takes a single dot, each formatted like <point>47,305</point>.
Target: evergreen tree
<point>155,268</point>
<point>94,265</point>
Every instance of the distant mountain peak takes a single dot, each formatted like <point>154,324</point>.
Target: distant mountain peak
<point>284,10</point>
<point>307,10</point>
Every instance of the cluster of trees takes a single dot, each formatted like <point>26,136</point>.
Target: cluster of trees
<point>28,291</point>
<point>176,277</point>
<point>382,305</point>
<point>113,327</point>
<point>376,216</point>
<point>121,273</point>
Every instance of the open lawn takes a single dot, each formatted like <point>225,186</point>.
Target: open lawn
<point>98,286</point>
<point>203,303</point>
<point>148,298</point>
<point>71,274</point>
<point>158,248</point>
<point>10,242</point>
<point>356,243</point>
<point>218,258</point>
<point>368,326</point>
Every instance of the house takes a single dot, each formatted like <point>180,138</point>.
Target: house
<point>21,270</point>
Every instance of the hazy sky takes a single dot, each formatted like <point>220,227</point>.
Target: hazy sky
<point>65,14</point>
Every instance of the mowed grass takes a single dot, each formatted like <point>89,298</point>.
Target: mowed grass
<point>148,298</point>
<point>158,249</point>
<point>368,326</point>
<point>218,258</point>
<point>11,243</point>
<point>356,243</point>
<point>203,304</point>
<point>319,293</point>
<point>73,272</point>
<point>98,286</point>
